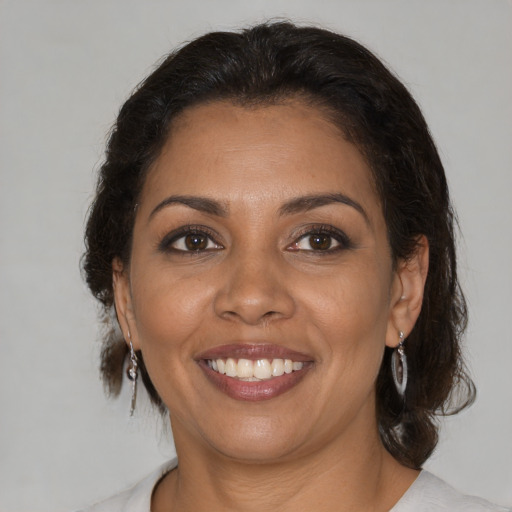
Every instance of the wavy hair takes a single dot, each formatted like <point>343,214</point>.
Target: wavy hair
<point>266,64</point>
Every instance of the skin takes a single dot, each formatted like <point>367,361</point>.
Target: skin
<point>259,280</point>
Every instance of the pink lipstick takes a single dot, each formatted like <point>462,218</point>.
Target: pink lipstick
<point>254,372</point>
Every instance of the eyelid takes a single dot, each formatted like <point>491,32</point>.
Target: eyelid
<point>165,245</point>
<point>340,236</point>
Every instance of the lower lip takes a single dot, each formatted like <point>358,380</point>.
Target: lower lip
<point>254,391</point>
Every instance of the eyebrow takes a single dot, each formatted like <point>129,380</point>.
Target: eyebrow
<point>202,204</point>
<point>293,206</point>
<point>306,203</point>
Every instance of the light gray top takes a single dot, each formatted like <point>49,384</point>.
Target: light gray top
<point>427,494</point>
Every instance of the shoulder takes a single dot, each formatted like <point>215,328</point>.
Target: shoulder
<point>138,497</point>
<point>429,493</point>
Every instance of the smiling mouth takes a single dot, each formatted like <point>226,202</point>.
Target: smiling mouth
<point>258,370</point>
<point>254,372</point>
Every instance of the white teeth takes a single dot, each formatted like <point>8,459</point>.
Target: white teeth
<point>277,367</point>
<point>231,369</point>
<point>250,371</point>
<point>245,369</point>
<point>262,369</point>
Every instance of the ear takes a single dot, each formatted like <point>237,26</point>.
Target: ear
<point>123,302</point>
<point>407,292</point>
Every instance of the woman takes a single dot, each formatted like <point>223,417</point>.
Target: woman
<point>273,227</point>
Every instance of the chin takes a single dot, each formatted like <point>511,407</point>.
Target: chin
<point>260,440</point>
<point>260,451</point>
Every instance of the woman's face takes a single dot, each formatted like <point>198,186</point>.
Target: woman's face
<point>260,250</point>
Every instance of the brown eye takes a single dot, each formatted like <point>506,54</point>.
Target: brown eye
<point>322,239</point>
<point>189,240</point>
<point>320,242</point>
<point>196,242</point>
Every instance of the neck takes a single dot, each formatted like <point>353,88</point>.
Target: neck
<point>361,477</point>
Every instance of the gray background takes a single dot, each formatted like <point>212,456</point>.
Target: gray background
<point>65,68</point>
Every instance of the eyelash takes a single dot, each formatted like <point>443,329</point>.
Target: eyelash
<point>166,245</point>
<point>339,236</point>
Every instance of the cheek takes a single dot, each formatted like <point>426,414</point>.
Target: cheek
<point>170,315</point>
<point>355,297</point>
<point>349,313</point>
<point>168,310</point>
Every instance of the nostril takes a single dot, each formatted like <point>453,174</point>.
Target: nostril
<point>251,317</point>
<point>270,316</point>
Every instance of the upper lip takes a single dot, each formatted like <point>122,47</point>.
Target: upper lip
<point>253,351</point>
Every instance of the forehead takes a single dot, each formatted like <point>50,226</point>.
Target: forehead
<point>244,153</point>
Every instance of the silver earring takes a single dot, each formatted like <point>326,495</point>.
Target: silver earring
<point>133,373</point>
<point>399,366</point>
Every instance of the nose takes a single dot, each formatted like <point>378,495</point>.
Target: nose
<point>255,291</point>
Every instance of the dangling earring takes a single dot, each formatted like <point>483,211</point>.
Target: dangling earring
<point>399,366</point>
<point>133,373</point>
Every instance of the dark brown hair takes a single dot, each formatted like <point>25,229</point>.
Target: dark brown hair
<point>266,64</point>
